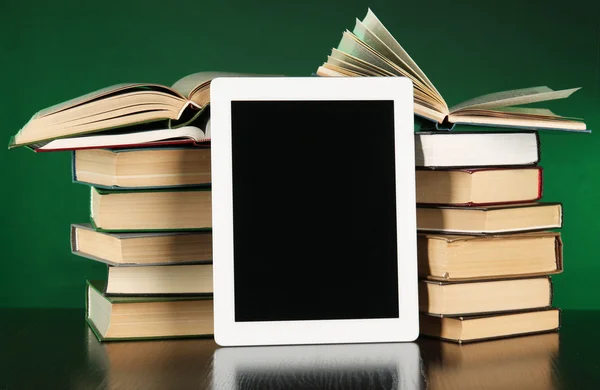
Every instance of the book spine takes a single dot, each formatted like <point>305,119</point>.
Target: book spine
<point>73,168</point>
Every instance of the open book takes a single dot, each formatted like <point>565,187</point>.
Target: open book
<point>148,138</point>
<point>118,106</point>
<point>370,50</point>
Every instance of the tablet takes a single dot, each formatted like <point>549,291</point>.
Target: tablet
<point>313,202</point>
<point>362,366</point>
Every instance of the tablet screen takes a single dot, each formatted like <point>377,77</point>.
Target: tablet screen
<point>314,210</point>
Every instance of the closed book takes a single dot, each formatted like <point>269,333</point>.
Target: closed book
<point>478,186</point>
<point>460,258</point>
<point>151,210</point>
<point>188,279</point>
<point>142,167</point>
<point>489,326</point>
<point>464,298</point>
<point>131,318</point>
<point>476,149</point>
<point>141,248</point>
<point>489,219</point>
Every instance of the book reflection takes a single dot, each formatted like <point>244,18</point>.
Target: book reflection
<point>356,366</point>
<point>512,363</point>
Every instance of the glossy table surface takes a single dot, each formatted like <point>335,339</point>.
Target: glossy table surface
<point>54,349</point>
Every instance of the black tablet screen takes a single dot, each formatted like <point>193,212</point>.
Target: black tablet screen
<point>314,210</point>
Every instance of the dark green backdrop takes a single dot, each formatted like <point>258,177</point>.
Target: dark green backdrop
<point>53,51</point>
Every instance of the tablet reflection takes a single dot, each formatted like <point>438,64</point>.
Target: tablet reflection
<point>357,366</point>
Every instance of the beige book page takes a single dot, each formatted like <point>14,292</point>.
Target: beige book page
<point>189,84</point>
<point>353,46</point>
<point>339,55</point>
<point>349,66</point>
<point>372,23</point>
<point>513,98</point>
<point>102,93</point>
<point>344,71</point>
<point>356,48</point>
<point>517,112</point>
<point>325,72</point>
<point>364,34</point>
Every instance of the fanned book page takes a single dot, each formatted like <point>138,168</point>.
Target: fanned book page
<point>370,50</point>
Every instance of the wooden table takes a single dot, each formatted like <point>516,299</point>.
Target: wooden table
<point>54,349</point>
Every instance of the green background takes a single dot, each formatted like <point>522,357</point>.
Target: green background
<point>53,51</point>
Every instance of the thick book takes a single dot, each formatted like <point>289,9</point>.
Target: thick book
<point>151,210</point>
<point>454,299</point>
<point>370,50</point>
<point>142,168</point>
<point>495,219</point>
<point>118,106</point>
<point>489,326</point>
<point>478,186</point>
<point>476,149</point>
<point>160,280</point>
<point>133,318</point>
<point>461,258</point>
<point>141,248</point>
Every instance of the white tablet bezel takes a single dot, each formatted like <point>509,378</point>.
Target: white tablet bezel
<point>228,332</point>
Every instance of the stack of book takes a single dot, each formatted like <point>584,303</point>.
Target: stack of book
<point>484,249</point>
<point>144,150</point>
<point>150,223</point>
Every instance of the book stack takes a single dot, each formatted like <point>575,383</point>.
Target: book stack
<point>150,223</point>
<point>484,249</point>
<point>144,150</point>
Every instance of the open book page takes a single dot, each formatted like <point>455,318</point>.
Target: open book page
<point>368,37</point>
<point>366,67</point>
<point>353,46</point>
<point>354,68</point>
<point>190,84</point>
<point>372,23</point>
<point>513,98</point>
<point>102,94</point>
<point>127,139</point>
<point>542,113</point>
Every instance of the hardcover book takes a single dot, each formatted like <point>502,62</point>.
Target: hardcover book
<point>489,219</point>
<point>467,298</point>
<point>476,149</point>
<point>151,210</point>
<point>148,168</point>
<point>460,258</point>
<point>489,326</point>
<point>134,318</point>
<point>160,280</point>
<point>478,186</point>
<point>158,248</point>
<point>371,50</point>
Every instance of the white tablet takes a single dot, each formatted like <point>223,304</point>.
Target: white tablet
<point>363,366</point>
<point>313,201</point>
